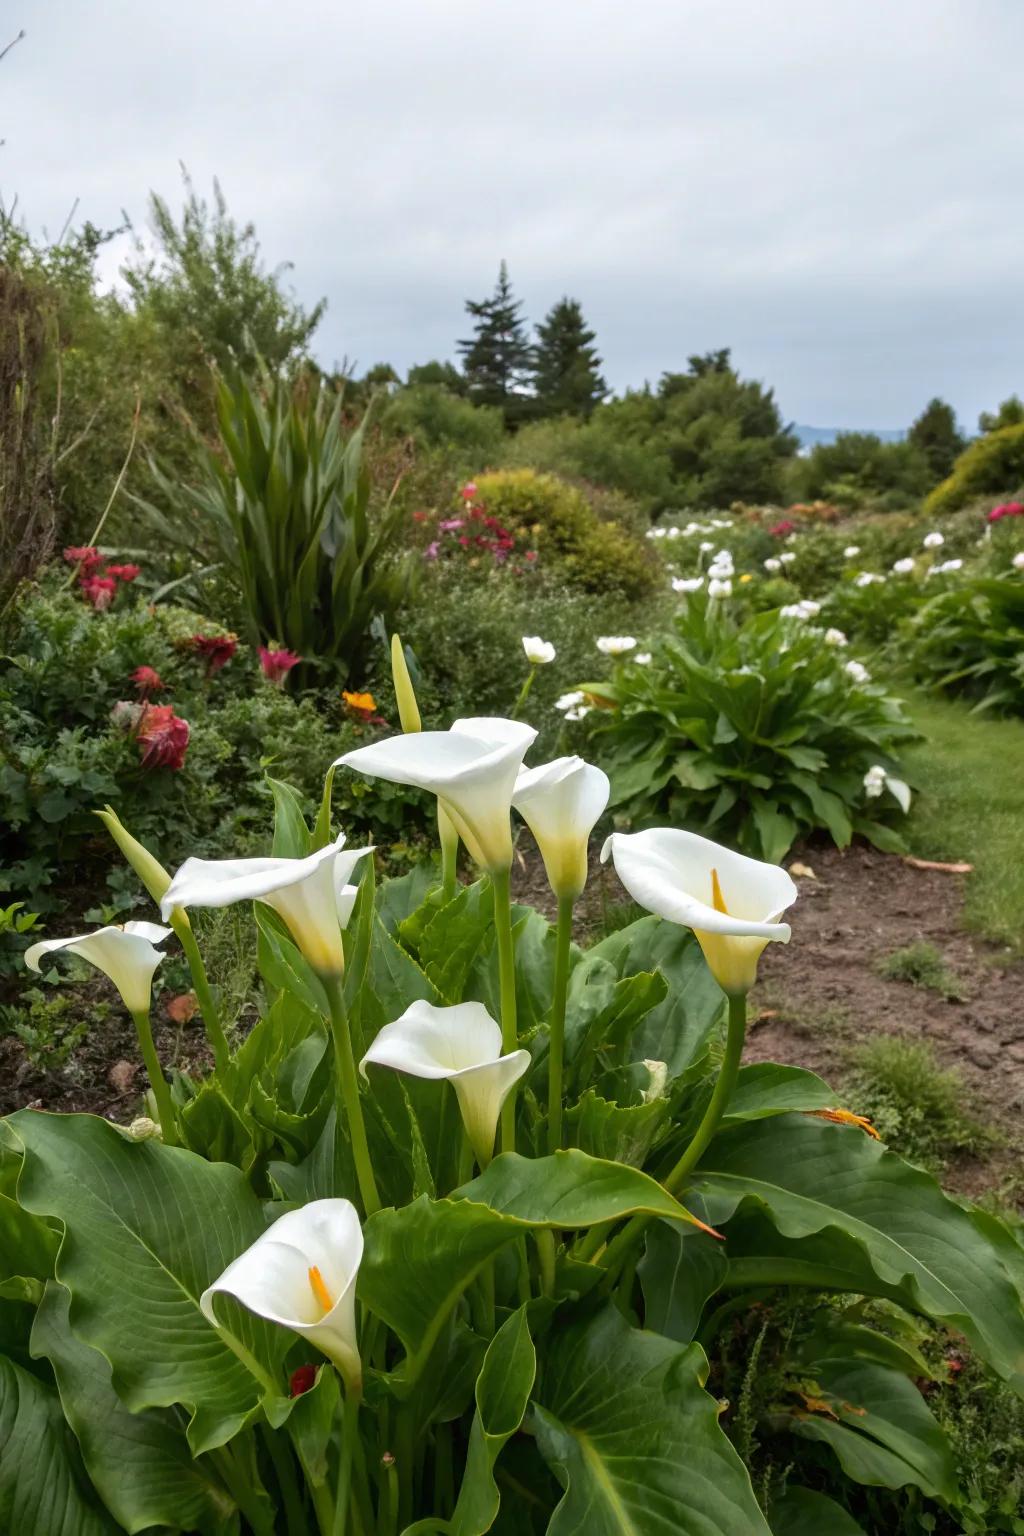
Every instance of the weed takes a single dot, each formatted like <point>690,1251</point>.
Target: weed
<point>923,966</point>
<point>49,1026</point>
<point>917,1105</point>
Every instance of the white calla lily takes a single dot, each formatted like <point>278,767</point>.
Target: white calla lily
<point>731,902</point>
<point>560,802</point>
<point>472,770</point>
<point>460,1045</point>
<point>311,894</point>
<point>127,955</point>
<point>301,1274</point>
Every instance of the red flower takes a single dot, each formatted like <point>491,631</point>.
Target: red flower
<point>99,590</point>
<point>85,555</point>
<point>163,737</point>
<point>531,555</point>
<point>123,572</point>
<point>419,517</point>
<point>1007,509</point>
<point>782,529</point>
<point>217,649</point>
<point>302,1380</point>
<point>277,664</point>
<point>147,681</point>
<point>469,490</point>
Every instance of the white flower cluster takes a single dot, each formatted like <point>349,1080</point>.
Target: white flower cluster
<point>773,565</point>
<point>857,671</point>
<point>806,608</point>
<point>851,551</point>
<point>878,779</point>
<point>572,705</point>
<point>933,541</point>
<point>945,567</point>
<point>672,531</point>
<point>904,567</point>
<point>866,578</point>
<point>835,637</point>
<point>687,583</point>
<point>1018,561</point>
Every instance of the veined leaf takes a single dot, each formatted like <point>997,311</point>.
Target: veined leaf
<point>624,1422</point>
<point>801,1512</point>
<point>43,1487</point>
<point>502,1396</point>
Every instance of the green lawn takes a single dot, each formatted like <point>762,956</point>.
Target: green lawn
<point>969,777</point>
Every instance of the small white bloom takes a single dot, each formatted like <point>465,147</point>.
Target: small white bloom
<point>579,713</point>
<point>851,551</point>
<point>706,548</point>
<point>867,578</point>
<point>717,588</point>
<point>947,566</point>
<point>878,779</point>
<point>787,557</point>
<point>460,1045</point>
<point>570,700</point>
<point>874,781</point>
<point>806,608</point>
<point>687,583</point>
<point>1018,561</point>
<point>616,645</point>
<point>301,1274</point>
<point>642,658</point>
<point>773,565</point>
<point>538,652</point>
<point>127,955</point>
<point>857,671</point>
<point>835,637</point>
<point>933,541</point>
<point>903,567</point>
<point>673,532</point>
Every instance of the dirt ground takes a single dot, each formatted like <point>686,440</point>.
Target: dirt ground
<point>816,996</point>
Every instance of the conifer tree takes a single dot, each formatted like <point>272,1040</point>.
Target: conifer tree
<point>935,435</point>
<point>566,368</point>
<point>496,358</point>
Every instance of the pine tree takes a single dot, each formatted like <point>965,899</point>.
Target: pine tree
<point>496,359</point>
<point>935,435</point>
<point>566,376</point>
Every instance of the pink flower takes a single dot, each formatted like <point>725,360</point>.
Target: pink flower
<point>531,555</point>
<point>277,664</point>
<point>451,523</point>
<point>1007,509</point>
<point>163,737</point>
<point>147,681</point>
<point>781,530</point>
<point>85,555</point>
<point>123,572</point>
<point>431,551</point>
<point>469,490</point>
<point>217,649</point>
<point>99,590</point>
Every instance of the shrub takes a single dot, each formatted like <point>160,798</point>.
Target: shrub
<point>971,640</point>
<point>914,1103</point>
<point>560,524</point>
<point>283,507</point>
<point>859,469</point>
<point>756,733</point>
<point>436,418</point>
<point>991,465</point>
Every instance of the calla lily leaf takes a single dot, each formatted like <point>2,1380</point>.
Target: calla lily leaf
<point>626,1426</point>
<point>146,1229</point>
<point>802,1512</point>
<point>804,1201</point>
<point>502,1396</point>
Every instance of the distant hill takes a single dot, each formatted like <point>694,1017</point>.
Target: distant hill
<point>810,436</point>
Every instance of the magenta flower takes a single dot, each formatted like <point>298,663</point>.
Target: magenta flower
<point>277,664</point>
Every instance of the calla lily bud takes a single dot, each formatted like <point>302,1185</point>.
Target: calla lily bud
<point>405,695</point>
<point>127,955</point>
<point>560,802</point>
<point>310,894</point>
<point>301,1274</point>
<point>732,903</point>
<point>459,1045</point>
<point>472,770</point>
<point>149,869</point>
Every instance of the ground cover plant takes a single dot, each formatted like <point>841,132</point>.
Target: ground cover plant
<point>340,1295</point>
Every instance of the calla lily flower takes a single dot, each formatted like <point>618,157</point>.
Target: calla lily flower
<point>560,802</point>
<point>732,903</point>
<point>311,894</point>
<point>127,955</point>
<point>472,770</point>
<point>301,1273</point>
<point>460,1045</point>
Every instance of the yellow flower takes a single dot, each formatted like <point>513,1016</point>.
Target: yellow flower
<point>746,576</point>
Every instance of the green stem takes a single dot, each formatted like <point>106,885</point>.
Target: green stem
<point>207,1007</point>
<point>449,855</point>
<point>288,1483</point>
<point>524,691</point>
<point>157,1081</point>
<point>619,1249</point>
<point>348,1086</point>
<point>556,1048</point>
<point>258,1515</point>
<point>318,1489</point>
<point>507,978</point>
<point>546,1255</point>
<point>349,1434</point>
<point>465,1161</point>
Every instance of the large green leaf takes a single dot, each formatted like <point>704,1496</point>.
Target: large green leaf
<point>502,1396</point>
<point>624,1422</point>
<point>765,1088</point>
<point>43,1488</point>
<point>139,1463</point>
<point>419,1259</point>
<point>679,1272</point>
<point>812,1203</point>
<point>801,1512</point>
<point>146,1229</point>
<point>623,1133</point>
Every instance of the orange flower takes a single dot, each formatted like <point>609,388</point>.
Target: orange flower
<point>362,705</point>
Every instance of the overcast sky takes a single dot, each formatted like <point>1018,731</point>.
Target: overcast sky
<point>833,188</point>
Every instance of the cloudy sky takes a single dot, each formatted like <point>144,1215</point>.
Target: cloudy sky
<point>831,189</point>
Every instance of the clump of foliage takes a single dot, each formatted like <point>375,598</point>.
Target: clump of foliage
<point>920,1107</point>
<point>435,417</point>
<point>283,507</point>
<point>860,469</point>
<point>991,465</point>
<point>556,520</point>
<point>970,641</point>
<point>922,965</point>
<point>755,731</point>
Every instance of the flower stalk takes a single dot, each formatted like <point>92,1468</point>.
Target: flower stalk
<point>507,984</point>
<point>556,1047</point>
<point>157,1081</point>
<point>348,1088</point>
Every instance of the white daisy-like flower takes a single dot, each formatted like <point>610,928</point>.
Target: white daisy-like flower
<point>687,583</point>
<point>616,645</point>
<point>903,567</point>
<point>538,652</point>
<point>787,557</point>
<point>857,671</point>
<point>773,565</point>
<point>835,637</point>
<point>851,551</point>
<point>933,541</point>
<point>570,700</point>
<point>642,658</point>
